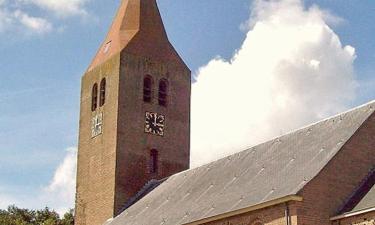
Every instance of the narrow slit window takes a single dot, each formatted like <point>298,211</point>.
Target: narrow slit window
<point>147,89</point>
<point>94,97</point>
<point>154,158</point>
<point>163,92</point>
<point>102,92</point>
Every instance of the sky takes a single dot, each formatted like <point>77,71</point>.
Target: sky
<point>282,63</point>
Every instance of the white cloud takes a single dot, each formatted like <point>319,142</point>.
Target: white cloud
<point>17,15</point>
<point>291,70</point>
<point>5,17</point>
<point>60,193</point>
<point>18,20</point>
<point>35,24</point>
<point>61,7</point>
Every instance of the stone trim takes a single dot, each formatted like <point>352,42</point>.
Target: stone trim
<point>248,209</point>
<point>346,215</point>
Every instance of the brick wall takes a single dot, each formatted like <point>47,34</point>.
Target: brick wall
<point>328,192</point>
<point>96,156</point>
<point>134,145</point>
<point>114,166</point>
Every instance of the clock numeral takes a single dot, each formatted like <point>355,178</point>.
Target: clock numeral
<point>97,125</point>
<point>154,123</point>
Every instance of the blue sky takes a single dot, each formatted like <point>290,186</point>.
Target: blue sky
<point>41,67</point>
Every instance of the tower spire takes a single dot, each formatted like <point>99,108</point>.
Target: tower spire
<point>137,24</point>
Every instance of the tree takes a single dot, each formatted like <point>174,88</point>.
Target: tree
<point>17,216</point>
<point>68,218</point>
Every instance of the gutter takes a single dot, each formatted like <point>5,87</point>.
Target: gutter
<point>287,214</point>
<point>248,209</point>
<point>351,214</point>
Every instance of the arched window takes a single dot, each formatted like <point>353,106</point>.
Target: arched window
<point>147,88</point>
<point>94,97</point>
<point>102,92</point>
<point>154,159</point>
<point>256,222</point>
<point>163,92</point>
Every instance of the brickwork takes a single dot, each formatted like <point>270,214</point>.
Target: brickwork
<point>363,219</point>
<point>134,156</point>
<point>274,215</point>
<point>328,192</point>
<point>96,156</point>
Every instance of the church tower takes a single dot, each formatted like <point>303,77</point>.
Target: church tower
<point>135,114</point>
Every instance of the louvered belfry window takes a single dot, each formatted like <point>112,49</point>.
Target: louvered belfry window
<point>163,92</point>
<point>102,92</point>
<point>154,158</point>
<point>94,97</point>
<point>147,88</point>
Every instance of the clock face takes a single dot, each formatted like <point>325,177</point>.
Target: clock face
<point>97,125</point>
<point>154,123</point>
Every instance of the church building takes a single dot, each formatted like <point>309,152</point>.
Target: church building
<point>134,148</point>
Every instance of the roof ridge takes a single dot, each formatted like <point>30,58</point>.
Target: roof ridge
<point>334,116</point>
<point>368,104</point>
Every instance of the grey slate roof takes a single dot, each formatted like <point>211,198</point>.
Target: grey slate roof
<point>269,171</point>
<point>147,188</point>
<point>367,202</point>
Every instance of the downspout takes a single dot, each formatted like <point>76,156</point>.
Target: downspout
<point>287,214</point>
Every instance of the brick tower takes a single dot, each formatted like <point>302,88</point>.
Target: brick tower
<point>135,114</point>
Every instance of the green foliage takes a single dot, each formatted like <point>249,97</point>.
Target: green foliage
<point>17,216</point>
<point>68,218</point>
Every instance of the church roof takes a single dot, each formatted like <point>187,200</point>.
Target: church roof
<point>367,202</point>
<point>264,173</point>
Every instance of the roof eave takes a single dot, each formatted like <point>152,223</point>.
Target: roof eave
<point>263,205</point>
<point>351,214</point>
